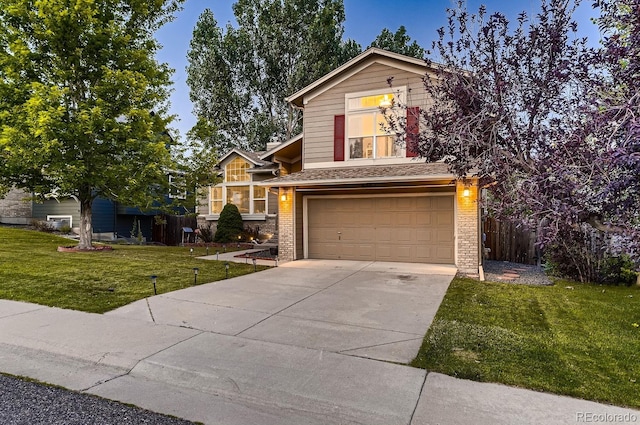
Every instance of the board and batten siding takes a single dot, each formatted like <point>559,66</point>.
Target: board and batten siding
<point>319,112</point>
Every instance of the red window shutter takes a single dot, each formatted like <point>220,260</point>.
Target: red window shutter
<point>413,130</point>
<point>338,138</point>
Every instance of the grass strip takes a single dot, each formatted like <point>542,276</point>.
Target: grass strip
<point>574,339</point>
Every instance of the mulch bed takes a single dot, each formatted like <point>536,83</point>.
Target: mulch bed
<point>504,271</point>
<point>258,255</point>
<point>100,248</point>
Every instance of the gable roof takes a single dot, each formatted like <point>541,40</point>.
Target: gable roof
<point>281,146</point>
<point>364,59</point>
<point>252,157</point>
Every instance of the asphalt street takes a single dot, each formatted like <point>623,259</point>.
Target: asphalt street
<point>25,402</point>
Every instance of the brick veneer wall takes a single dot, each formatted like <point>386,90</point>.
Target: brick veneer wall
<point>467,222</point>
<point>286,225</point>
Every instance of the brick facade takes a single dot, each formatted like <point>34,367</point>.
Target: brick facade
<point>467,222</point>
<point>286,223</point>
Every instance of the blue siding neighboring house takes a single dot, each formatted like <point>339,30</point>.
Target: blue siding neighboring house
<point>110,220</point>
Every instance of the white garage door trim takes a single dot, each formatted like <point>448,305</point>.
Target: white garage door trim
<point>305,213</point>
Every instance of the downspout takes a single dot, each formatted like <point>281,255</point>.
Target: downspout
<point>115,220</point>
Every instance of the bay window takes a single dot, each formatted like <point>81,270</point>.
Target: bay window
<point>238,189</point>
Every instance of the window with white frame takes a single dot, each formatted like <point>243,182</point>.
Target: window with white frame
<point>216,200</point>
<point>259,199</point>
<point>238,189</point>
<point>236,171</point>
<point>239,196</point>
<point>366,124</point>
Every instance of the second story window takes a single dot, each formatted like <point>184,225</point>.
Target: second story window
<point>366,136</point>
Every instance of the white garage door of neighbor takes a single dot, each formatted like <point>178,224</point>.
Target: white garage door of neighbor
<point>415,229</point>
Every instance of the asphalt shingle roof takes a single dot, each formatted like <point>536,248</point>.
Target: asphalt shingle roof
<point>254,156</point>
<point>411,171</point>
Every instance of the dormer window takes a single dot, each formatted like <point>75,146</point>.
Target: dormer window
<point>366,122</point>
<point>236,171</point>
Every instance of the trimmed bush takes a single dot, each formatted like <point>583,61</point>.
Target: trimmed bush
<point>206,234</point>
<point>42,226</point>
<point>230,224</point>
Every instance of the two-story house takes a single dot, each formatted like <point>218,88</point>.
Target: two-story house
<point>348,189</point>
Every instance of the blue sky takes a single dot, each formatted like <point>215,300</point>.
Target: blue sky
<point>364,21</point>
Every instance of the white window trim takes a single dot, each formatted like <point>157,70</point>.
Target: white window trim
<point>251,214</point>
<point>401,94</point>
<point>61,217</point>
<point>252,199</point>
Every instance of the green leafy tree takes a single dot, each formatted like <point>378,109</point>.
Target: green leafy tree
<point>239,76</point>
<point>230,224</point>
<point>83,100</point>
<point>398,42</point>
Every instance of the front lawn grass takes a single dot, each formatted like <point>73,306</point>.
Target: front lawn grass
<point>32,270</point>
<point>579,340</point>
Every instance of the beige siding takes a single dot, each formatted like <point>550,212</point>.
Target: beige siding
<point>259,177</point>
<point>320,111</point>
<point>272,203</point>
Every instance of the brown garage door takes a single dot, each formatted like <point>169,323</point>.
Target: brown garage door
<point>416,229</point>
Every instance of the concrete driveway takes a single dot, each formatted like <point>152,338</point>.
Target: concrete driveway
<point>300,344</point>
<point>291,345</point>
<point>365,309</point>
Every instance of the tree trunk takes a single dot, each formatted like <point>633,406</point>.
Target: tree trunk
<point>85,223</point>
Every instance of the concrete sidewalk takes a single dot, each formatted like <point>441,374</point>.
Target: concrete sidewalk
<point>278,352</point>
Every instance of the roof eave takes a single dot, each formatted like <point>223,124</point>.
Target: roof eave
<point>260,170</point>
<point>242,154</point>
<point>281,146</point>
<point>298,97</point>
<point>343,182</point>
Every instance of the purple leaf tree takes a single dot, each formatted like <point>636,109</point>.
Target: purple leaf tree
<point>549,125</point>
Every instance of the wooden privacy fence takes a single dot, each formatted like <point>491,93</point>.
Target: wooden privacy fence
<point>509,241</point>
<point>167,229</point>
